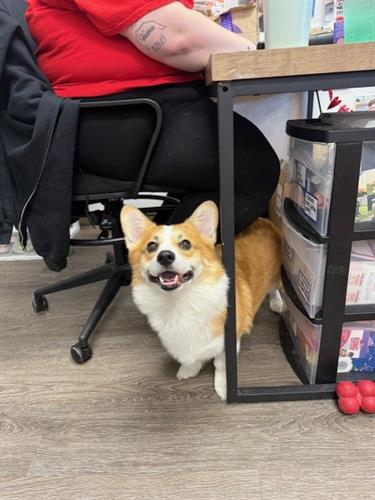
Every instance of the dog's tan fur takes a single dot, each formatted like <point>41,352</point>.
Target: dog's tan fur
<point>258,262</point>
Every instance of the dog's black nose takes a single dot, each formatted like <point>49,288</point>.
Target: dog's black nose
<point>165,258</point>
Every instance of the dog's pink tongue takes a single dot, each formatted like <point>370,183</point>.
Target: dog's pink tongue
<point>169,278</point>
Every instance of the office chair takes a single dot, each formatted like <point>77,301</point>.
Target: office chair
<point>111,193</point>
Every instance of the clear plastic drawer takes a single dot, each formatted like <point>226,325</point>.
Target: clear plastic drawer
<point>357,349</point>
<point>305,336</point>
<point>310,180</point>
<point>304,263</point>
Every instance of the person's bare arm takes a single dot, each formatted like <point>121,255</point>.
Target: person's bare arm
<point>182,38</point>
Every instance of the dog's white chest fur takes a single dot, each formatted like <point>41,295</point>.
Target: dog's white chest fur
<point>183,318</point>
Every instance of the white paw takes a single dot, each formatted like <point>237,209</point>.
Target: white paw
<point>188,371</point>
<point>221,386</point>
<point>276,303</point>
<point>277,306</point>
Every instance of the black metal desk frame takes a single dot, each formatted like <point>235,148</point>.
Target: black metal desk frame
<point>225,92</point>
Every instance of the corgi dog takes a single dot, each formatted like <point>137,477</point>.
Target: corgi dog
<point>179,283</point>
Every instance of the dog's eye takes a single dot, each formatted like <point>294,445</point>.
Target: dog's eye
<point>152,246</point>
<point>185,244</point>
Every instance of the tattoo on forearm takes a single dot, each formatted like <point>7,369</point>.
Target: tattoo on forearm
<point>149,35</point>
<point>156,46</point>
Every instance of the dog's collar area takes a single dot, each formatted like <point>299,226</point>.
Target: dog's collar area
<point>170,280</point>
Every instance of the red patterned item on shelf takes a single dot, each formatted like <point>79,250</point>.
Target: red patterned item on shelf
<point>335,101</point>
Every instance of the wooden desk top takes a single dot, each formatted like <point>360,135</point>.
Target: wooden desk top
<point>318,59</point>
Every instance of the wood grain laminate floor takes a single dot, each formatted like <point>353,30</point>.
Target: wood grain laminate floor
<point>122,427</point>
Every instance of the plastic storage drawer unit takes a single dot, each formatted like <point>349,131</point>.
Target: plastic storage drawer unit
<point>329,248</point>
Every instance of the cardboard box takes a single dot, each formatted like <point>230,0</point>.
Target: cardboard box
<point>210,8</point>
<point>241,18</point>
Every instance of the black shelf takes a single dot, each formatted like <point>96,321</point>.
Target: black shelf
<point>324,129</point>
<point>341,233</point>
<point>359,313</point>
<point>355,376</point>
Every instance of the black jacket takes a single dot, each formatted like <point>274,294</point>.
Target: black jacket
<point>37,143</point>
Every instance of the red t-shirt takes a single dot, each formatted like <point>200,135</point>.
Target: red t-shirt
<point>82,54</point>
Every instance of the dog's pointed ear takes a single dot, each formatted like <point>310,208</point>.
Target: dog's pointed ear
<point>134,224</point>
<point>205,218</point>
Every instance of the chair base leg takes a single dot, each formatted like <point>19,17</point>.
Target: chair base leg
<point>92,276</point>
<point>117,273</point>
<point>81,351</point>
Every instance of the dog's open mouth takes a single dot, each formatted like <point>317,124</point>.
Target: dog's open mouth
<point>170,280</point>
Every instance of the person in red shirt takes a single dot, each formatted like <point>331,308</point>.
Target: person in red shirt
<point>113,49</point>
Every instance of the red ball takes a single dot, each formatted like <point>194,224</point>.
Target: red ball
<point>366,387</point>
<point>346,390</point>
<point>349,406</point>
<point>368,404</point>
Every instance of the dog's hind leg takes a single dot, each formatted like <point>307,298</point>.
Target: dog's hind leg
<point>276,302</point>
<point>189,371</point>
<point>220,381</point>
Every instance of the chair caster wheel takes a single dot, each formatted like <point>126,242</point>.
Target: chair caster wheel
<point>40,303</point>
<point>80,354</point>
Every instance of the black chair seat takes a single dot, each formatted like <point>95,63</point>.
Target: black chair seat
<point>95,187</point>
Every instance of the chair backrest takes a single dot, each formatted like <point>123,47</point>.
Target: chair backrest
<point>105,110</point>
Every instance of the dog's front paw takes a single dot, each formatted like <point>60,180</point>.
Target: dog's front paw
<point>221,385</point>
<point>189,371</point>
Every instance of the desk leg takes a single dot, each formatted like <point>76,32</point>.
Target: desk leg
<point>310,104</point>
<point>226,160</point>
